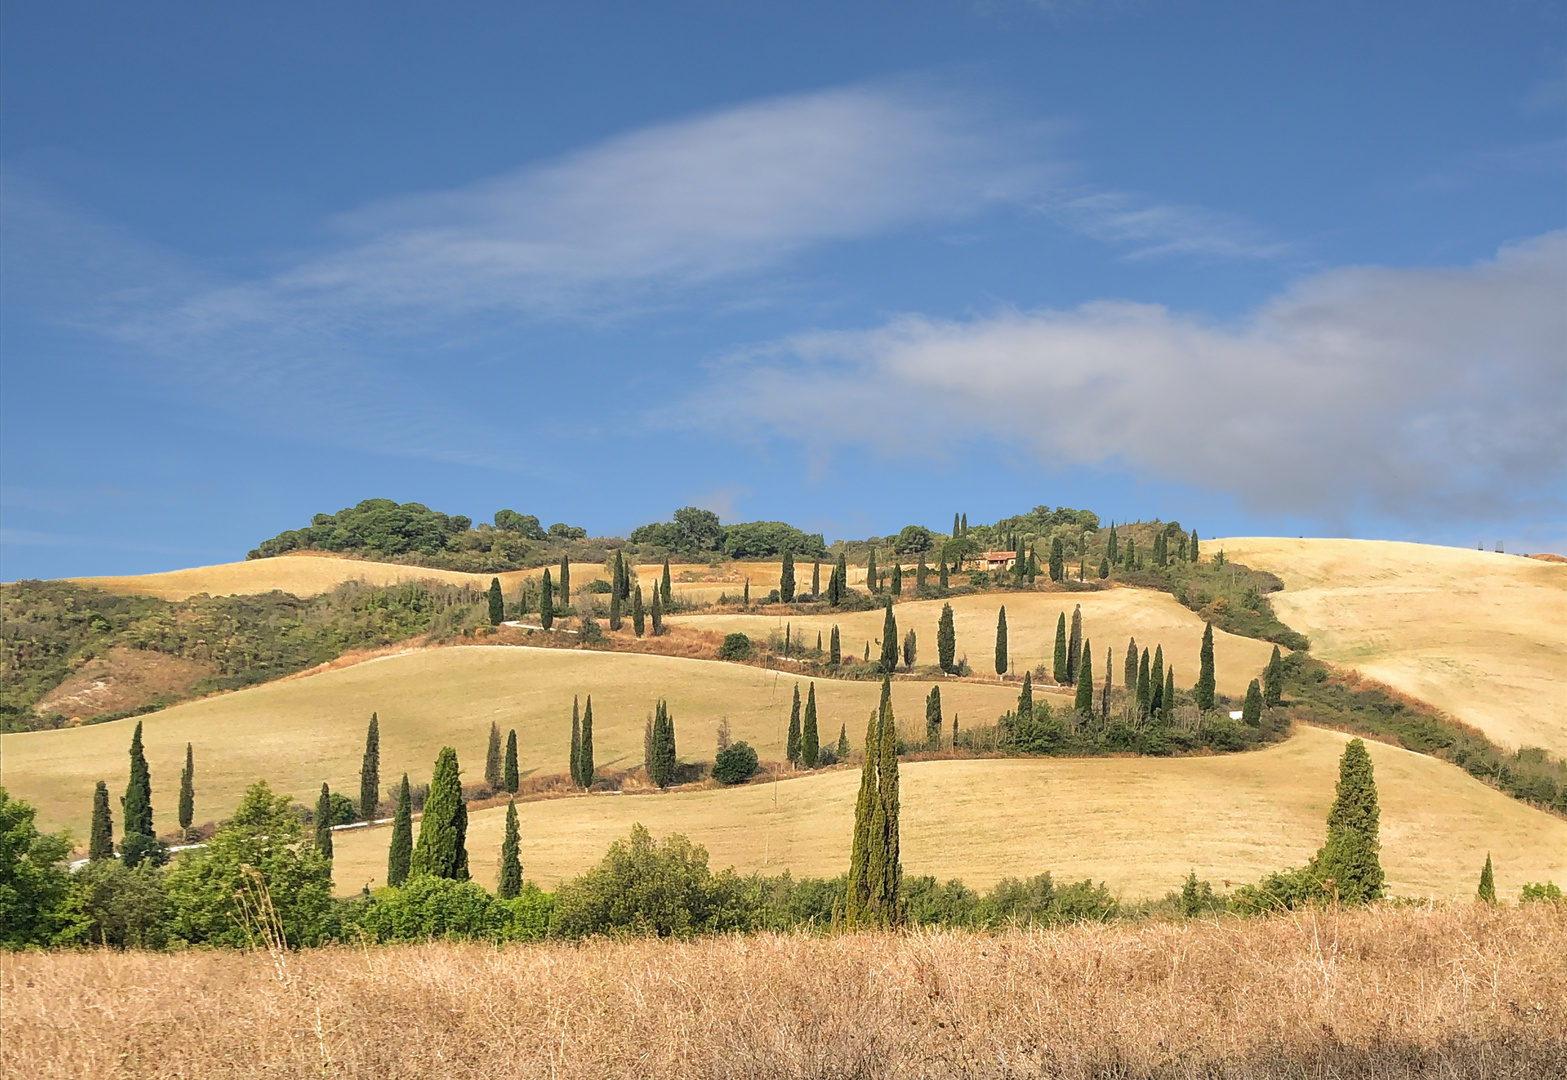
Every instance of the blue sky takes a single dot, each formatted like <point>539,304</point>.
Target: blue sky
<point>1262,268</point>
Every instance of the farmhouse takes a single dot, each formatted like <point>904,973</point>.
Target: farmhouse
<point>995,560</point>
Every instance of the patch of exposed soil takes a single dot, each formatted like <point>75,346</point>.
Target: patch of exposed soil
<point>124,679</point>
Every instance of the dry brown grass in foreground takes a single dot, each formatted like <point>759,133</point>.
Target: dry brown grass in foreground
<point>1462,990</point>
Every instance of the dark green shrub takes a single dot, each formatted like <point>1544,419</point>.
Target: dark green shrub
<point>431,908</point>
<point>112,904</point>
<point>736,763</point>
<point>735,647</point>
<point>1541,893</point>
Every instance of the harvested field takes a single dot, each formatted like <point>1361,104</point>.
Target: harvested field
<point>1138,824</point>
<point>1479,635</point>
<point>1109,619</point>
<point>1462,990</point>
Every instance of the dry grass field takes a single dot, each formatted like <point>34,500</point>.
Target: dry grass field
<point>1480,635</point>
<point>1138,824</point>
<point>1455,991</point>
<point>1109,619</point>
<point>297,733</point>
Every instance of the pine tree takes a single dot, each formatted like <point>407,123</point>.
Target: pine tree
<point>401,850</point>
<point>324,822</point>
<point>1203,691</point>
<point>370,771</point>
<point>136,806</point>
<point>1057,560</point>
<point>810,740</point>
<point>843,742</point>
<point>497,603</point>
<point>492,759</point>
<point>910,649</point>
<point>585,766</point>
<point>547,601</point>
<point>872,583</point>
<point>1251,711</point>
<point>101,844</point>
<point>1074,646</point>
<point>816,580</point>
<point>1487,890</point>
<point>889,641</point>
<point>1084,704</point>
<point>510,883</point>
<point>1156,682</point>
<point>665,588</point>
<point>933,720</point>
<point>1001,641</point>
<point>576,741</point>
<point>1058,667</point>
<point>835,650</point>
<point>946,639</point>
<point>1112,550</point>
<point>442,850</point>
<point>792,745</point>
<point>1104,696</point>
<point>1144,691</point>
<point>1349,859</point>
<point>1273,680</point>
<point>1169,692</point>
<point>638,616</point>
<point>187,811</point>
<point>897,579</point>
<point>510,779</point>
<point>1129,671</point>
<point>943,580</point>
<point>565,581</point>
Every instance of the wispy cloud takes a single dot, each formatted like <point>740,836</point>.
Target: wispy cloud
<point>1395,391</point>
<point>1148,230</point>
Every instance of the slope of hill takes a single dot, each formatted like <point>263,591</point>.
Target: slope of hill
<point>1480,635</point>
<point>1138,824</point>
<point>1109,619</point>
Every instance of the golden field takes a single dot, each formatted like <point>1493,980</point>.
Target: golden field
<point>1460,990</point>
<point>1109,619</point>
<point>1138,824</point>
<point>298,732</point>
<point>1479,635</point>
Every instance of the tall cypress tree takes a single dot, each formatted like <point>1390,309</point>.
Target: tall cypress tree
<point>1112,549</point>
<point>1251,711</point>
<point>510,883</point>
<point>792,745</point>
<point>1487,891</point>
<point>442,849</point>
<point>1203,691</point>
<point>136,806</point>
<point>1273,680</point>
<point>664,757</point>
<point>1129,669</point>
<point>746,598</point>
<point>841,571</point>
<point>890,881</point>
<point>1002,657</point>
<point>511,780</point>
<point>324,822</point>
<point>101,842</point>
<point>889,641</point>
<point>910,648</point>
<point>615,621</point>
<point>1131,553</point>
<point>857,901</point>
<point>565,581</point>
<point>492,759</point>
<point>187,812</point>
<point>943,580</point>
<point>638,616</point>
<point>897,578</point>
<point>872,583</point>
<point>1156,682</point>
<point>1084,703</point>
<point>1169,692</point>
<point>576,740</point>
<point>875,866</point>
<point>497,603</point>
<point>843,742</point>
<point>946,639</point>
<point>658,615</point>
<point>1144,691</point>
<point>816,580</point>
<point>1104,695</point>
<point>1074,646</point>
<point>547,601</point>
<point>1194,546</point>
<point>585,766</point>
<point>400,852</point>
<point>1058,668</point>
<point>956,528</point>
<point>786,579</point>
<point>1019,565</point>
<point>835,649</point>
<point>620,583</point>
<point>919,575</point>
<point>810,738</point>
<point>933,720</point>
<point>1025,708</point>
<point>370,771</point>
<point>1057,559</point>
<point>665,588</point>
<point>1350,857</point>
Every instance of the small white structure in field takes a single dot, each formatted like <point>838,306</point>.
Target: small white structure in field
<point>1236,714</point>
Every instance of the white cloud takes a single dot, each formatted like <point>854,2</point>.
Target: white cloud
<point>1401,391</point>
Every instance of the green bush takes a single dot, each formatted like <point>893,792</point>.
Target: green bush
<point>735,647</point>
<point>117,905</point>
<point>431,909</point>
<point>1540,893</point>
<point>736,763</point>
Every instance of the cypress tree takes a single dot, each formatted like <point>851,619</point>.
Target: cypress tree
<point>1025,707</point>
<point>919,575</point>
<point>1001,641</point>
<point>933,720</point>
<point>1487,890</point>
<point>1084,704</point>
<point>1057,559</point>
<point>1350,857</point>
<point>442,850</point>
<point>1019,565</point>
<point>1111,548</point>
<point>136,806</point>
<point>1104,568</point>
<point>1074,646</point>
<point>497,603</point>
<point>788,642</point>
<point>1129,673</point>
<point>965,524</point>
<point>890,881</point>
<point>746,596</point>
<point>1131,553</point>
<point>867,651</point>
<point>942,579</point>
<point>1169,691</point>
<point>910,649</point>
<point>946,639</point>
<point>955,527</point>
<point>1144,691</point>
<point>621,586</point>
<point>401,850</point>
<point>657,615</point>
<point>576,741</point>
<point>101,843</point>
<point>871,581</point>
<point>1104,696</point>
<point>187,813</point>
<point>818,643</point>
<point>565,581</point>
<point>510,779</point>
<point>1156,682</point>
<point>585,767</point>
<point>615,620</point>
<point>638,616</point>
<point>324,822</point>
<point>1082,562</point>
<point>370,771</point>
<point>897,579</point>
<point>1194,545</point>
<point>889,641</point>
<point>810,740</point>
<point>875,866</point>
<point>786,579</point>
<point>792,745</point>
<point>842,573</point>
<point>1033,564</point>
<point>857,900</point>
<point>1251,712</point>
<point>665,588</point>
<point>1158,549</point>
<point>665,758</point>
<point>1203,692</point>
<point>547,601</point>
<point>816,580</point>
<point>492,759</point>
<point>843,742</point>
<point>1273,680</point>
<point>1059,670</point>
<point>510,883</point>
<point>835,650</point>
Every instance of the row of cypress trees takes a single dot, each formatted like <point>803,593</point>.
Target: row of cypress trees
<point>803,745</point>
<point>139,837</point>
<point>582,767</point>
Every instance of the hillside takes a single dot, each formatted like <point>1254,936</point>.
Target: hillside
<point>1480,635</point>
<point>1138,824</point>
